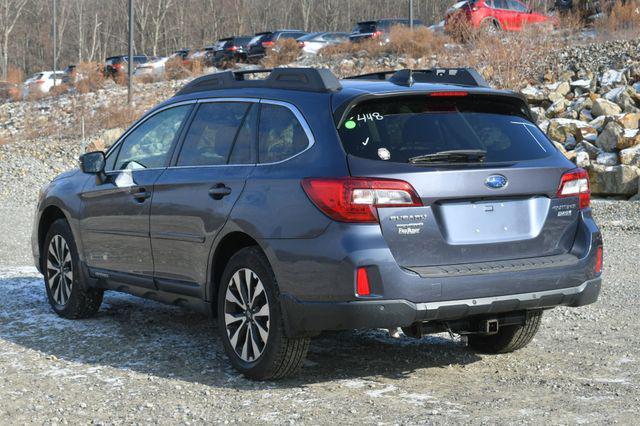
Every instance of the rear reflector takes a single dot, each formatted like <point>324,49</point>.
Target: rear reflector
<point>357,199</point>
<point>575,183</point>
<point>362,283</point>
<point>599,260</point>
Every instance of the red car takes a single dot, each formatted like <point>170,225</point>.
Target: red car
<point>495,15</point>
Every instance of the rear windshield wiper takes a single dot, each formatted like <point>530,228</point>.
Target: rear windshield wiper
<point>453,156</point>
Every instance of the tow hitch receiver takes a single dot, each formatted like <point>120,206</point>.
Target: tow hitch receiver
<point>491,326</point>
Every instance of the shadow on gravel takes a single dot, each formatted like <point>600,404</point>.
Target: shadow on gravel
<point>142,336</point>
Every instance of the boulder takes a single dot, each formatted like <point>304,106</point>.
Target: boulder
<point>533,94</point>
<point>602,106</point>
<point>630,156</point>
<point>611,136</point>
<point>584,84</point>
<point>582,159</point>
<point>561,88</point>
<point>563,129</point>
<point>538,114</point>
<point>598,123</point>
<point>607,158</point>
<point>611,77</point>
<point>557,108</point>
<point>629,120</point>
<point>613,180</point>
<point>555,96</point>
<point>627,102</point>
<point>592,150</point>
<point>631,138</point>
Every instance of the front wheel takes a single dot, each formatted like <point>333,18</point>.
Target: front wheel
<point>509,338</point>
<point>490,27</point>
<point>250,320</point>
<point>68,295</point>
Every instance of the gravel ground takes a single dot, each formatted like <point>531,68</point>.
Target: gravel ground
<point>142,362</point>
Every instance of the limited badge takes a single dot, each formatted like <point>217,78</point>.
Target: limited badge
<point>384,154</point>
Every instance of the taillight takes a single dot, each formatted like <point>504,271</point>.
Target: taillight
<point>232,48</point>
<point>267,43</point>
<point>301,44</point>
<point>39,81</point>
<point>575,183</point>
<point>357,199</point>
<point>598,267</point>
<point>376,34</point>
<point>362,283</point>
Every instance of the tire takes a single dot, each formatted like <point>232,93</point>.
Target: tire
<point>509,338</point>
<point>68,295</point>
<point>256,354</point>
<point>490,27</point>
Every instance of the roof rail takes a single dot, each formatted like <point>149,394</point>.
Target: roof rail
<point>304,79</point>
<point>406,77</point>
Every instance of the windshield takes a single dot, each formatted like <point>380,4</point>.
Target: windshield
<point>398,129</point>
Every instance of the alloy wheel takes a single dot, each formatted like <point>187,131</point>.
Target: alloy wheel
<point>59,270</point>
<point>246,315</point>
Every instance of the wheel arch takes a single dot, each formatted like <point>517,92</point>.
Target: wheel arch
<point>228,245</point>
<point>491,20</point>
<point>49,215</point>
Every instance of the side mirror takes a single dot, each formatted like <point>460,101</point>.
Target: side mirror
<point>92,162</point>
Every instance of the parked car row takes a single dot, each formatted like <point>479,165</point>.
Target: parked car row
<point>488,15</point>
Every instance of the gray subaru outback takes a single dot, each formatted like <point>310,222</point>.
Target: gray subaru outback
<point>297,203</point>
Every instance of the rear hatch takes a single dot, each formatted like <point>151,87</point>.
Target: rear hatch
<point>486,176</point>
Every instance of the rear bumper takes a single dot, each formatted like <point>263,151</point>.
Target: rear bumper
<point>316,278</point>
<point>312,317</point>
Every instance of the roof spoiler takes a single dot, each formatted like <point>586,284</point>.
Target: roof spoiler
<point>305,79</point>
<point>406,77</point>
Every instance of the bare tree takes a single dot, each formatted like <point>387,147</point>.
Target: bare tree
<point>10,12</point>
<point>93,29</point>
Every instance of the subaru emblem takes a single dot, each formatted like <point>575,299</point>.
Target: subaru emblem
<point>496,181</point>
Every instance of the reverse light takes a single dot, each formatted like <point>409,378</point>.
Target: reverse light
<point>362,283</point>
<point>598,268</point>
<point>357,199</point>
<point>575,183</point>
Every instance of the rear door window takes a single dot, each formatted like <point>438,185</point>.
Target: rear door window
<point>212,133</point>
<point>401,128</point>
<point>281,136</point>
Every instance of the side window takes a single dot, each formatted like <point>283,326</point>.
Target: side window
<point>516,5</point>
<point>280,135</point>
<point>243,147</point>
<point>211,134</point>
<point>149,145</point>
<point>500,4</point>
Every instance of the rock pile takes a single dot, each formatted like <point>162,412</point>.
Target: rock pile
<point>594,120</point>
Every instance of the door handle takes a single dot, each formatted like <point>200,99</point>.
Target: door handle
<point>219,191</point>
<point>140,194</point>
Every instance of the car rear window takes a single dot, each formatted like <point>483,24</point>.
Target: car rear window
<point>400,128</point>
<point>365,27</point>
<point>243,41</point>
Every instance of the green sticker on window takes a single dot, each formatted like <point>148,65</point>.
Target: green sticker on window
<point>350,124</point>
